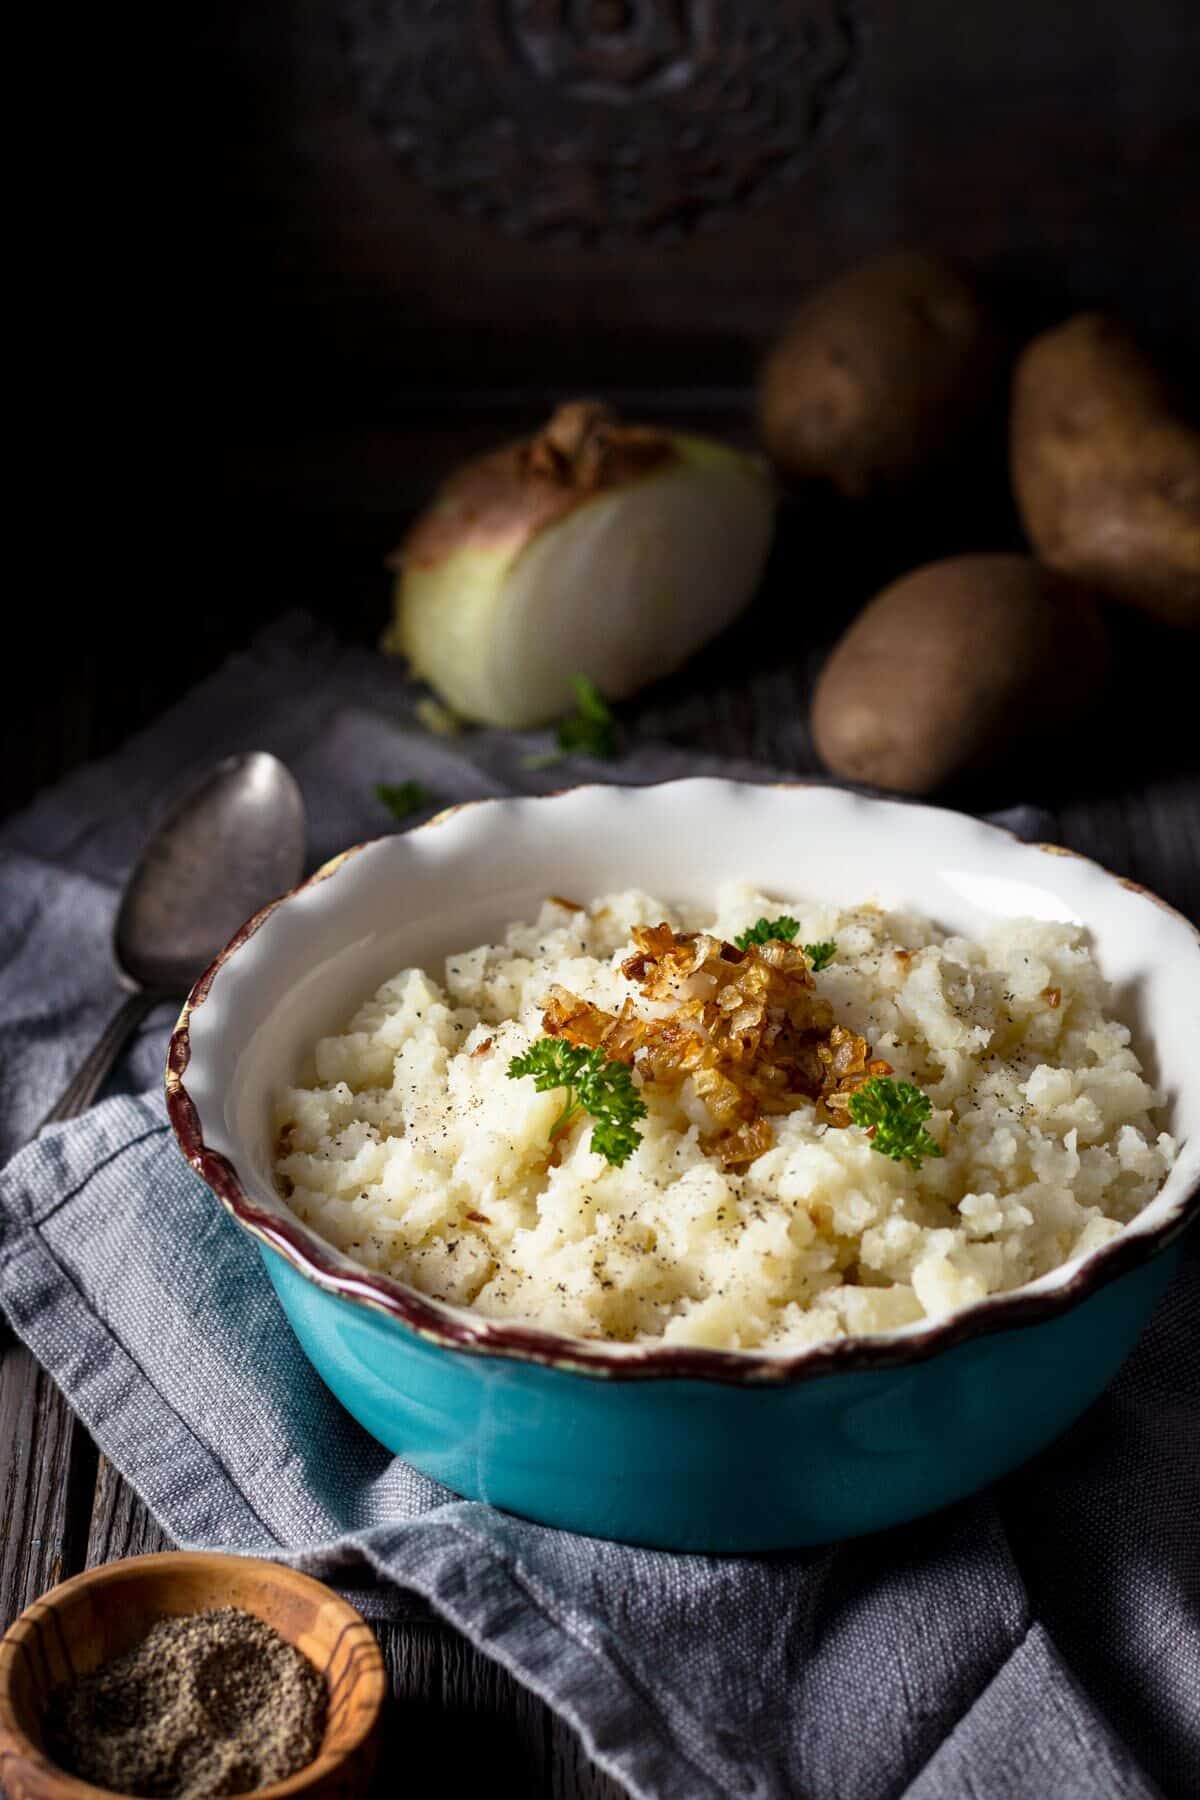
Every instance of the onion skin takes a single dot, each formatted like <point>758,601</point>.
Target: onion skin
<point>593,548</point>
<point>502,499</point>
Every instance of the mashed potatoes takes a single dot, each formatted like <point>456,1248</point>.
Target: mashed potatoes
<point>407,1144</point>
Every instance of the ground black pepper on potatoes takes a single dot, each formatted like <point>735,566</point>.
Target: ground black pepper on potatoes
<point>212,1703</point>
<point>409,1120</point>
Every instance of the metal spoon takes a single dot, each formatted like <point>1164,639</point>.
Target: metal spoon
<point>227,847</point>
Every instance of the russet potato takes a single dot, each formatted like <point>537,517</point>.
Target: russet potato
<point>1105,470</point>
<point>946,669</point>
<point>879,376</point>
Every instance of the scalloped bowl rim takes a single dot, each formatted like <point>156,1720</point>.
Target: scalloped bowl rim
<point>267,1218</point>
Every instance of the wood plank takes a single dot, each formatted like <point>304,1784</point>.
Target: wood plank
<point>47,1470</point>
<point>455,1709</point>
<point>1149,831</point>
<point>120,1525</point>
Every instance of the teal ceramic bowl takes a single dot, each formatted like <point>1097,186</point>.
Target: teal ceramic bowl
<point>671,1446</point>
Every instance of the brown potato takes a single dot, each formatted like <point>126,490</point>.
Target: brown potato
<point>953,664</point>
<point>879,376</point>
<point>1105,471</point>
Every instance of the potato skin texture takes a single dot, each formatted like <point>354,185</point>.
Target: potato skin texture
<point>879,376</point>
<point>951,666</point>
<point>1105,472</point>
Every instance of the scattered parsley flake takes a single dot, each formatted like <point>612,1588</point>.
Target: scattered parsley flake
<point>401,798</point>
<point>589,731</point>
<point>595,1085</point>
<point>894,1111</point>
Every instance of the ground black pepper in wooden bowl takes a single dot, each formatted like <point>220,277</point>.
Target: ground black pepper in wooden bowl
<point>210,1703</point>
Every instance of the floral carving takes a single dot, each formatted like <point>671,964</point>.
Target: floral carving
<point>597,120</point>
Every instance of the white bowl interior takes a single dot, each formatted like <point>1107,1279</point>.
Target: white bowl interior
<point>413,898</point>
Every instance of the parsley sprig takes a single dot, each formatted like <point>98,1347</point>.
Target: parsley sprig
<point>764,930</point>
<point>594,1084</point>
<point>591,730</point>
<point>820,955</point>
<point>894,1112</point>
<point>401,797</point>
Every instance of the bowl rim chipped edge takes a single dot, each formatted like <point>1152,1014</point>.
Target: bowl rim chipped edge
<point>453,1328</point>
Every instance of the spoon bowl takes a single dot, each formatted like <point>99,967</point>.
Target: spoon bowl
<point>232,843</point>
<point>228,846</point>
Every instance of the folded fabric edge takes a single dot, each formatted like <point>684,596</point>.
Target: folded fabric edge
<point>1033,1689</point>
<point>105,1385</point>
<point>474,1588</point>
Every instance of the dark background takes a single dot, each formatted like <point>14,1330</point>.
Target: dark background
<point>318,249</point>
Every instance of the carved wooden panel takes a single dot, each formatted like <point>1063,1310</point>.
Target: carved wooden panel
<point>594,121</point>
<point>371,197</point>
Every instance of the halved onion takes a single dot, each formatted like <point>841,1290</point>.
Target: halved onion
<point>595,548</point>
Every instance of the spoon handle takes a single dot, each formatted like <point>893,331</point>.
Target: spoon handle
<point>85,1084</point>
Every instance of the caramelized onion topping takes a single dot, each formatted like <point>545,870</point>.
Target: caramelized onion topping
<point>747,1027</point>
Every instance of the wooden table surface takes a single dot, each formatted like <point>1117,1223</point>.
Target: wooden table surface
<point>1128,795</point>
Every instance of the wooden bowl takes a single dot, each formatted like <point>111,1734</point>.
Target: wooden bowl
<point>96,1616</point>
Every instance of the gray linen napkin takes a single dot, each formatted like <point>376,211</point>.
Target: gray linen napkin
<point>1015,1645</point>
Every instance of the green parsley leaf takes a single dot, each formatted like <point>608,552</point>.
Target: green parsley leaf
<point>893,1111</point>
<point>592,704</point>
<point>822,954</point>
<point>784,929</point>
<point>401,797</point>
<point>764,930</point>
<point>615,1142</point>
<point>589,731</point>
<point>552,1062</point>
<point>594,1085</point>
